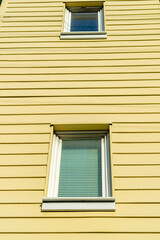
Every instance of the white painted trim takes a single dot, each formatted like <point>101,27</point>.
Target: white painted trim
<point>79,199</point>
<point>78,206</point>
<point>99,21</point>
<point>105,165</point>
<point>108,166</point>
<point>83,35</point>
<point>57,169</point>
<point>103,168</point>
<point>52,167</point>
<point>67,23</point>
<point>54,203</point>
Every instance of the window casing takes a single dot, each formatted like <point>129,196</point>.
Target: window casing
<point>84,22</point>
<point>89,19</point>
<point>97,180</point>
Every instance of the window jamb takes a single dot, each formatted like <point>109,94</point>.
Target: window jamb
<point>54,203</point>
<point>56,161</point>
<point>67,34</point>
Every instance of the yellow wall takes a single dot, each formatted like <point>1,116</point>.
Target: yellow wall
<point>46,80</point>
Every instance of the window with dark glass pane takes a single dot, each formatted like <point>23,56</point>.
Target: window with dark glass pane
<point>84,21</point>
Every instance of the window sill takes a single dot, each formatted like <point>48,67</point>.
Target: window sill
<point>83,35</point>
<point>78,204</point>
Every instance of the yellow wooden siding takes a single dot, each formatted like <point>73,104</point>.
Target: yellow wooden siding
<point>46,80</point>
<point>89,236</point>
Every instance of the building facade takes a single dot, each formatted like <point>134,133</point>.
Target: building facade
<point>107,80</point>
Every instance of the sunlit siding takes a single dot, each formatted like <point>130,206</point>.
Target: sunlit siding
<point>46,80</point>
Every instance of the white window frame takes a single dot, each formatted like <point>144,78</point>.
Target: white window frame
<point>54,203</point>
<point>67,21</point>
<point>67,34</point>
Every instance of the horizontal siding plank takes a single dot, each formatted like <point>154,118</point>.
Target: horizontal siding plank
<point>36,128</point>
<point>80,225</point>
<point>29,1</point>
<point>34,4</point>
<point>81,92</point>
<point>133,37</point>
<point>27,138</point>
<point>42,9</point>
<point>127,7</point>
<point>149,43</point>
<point>101,92</point>
<point>82,77</point>
<point>132,12</point>
<point>22,171</point>
<point>133,2</point>
<point>22,183</point>
<point>32,1</point>
<point>16,159</point>
<point>23,148</point>
<point>42,24</point>
<point>23,159</point>
<point>131,50</point>
<point>122,210</point>
<point>137,196</point>
<point>128,159</point>
<point>76,85</point>
<point>131,127</point>
<point>59,56</point>
<point>36,14</point>
<point>130,16</point>
<point>36,29</point>
<point>132,22</point>
<point>80,70</point>
<point>125,27</point>
<point>137,171</point>
<point>78,109</point>
<point>136,137</point>
<point>78,236</point>
<point>84,63</point>
<point>132,32</point>
<point>78,44</point>
<point>136,148</point>
<point>128,100</point>
<point>136,183</point>
<point>21,197</point>
<point>80,118</point>
<point>33,18</point>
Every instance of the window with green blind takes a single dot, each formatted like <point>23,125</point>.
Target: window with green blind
<point>80,172</point>
<point>80,169</point>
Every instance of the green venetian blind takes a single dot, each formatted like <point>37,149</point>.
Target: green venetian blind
<point>80,170</point>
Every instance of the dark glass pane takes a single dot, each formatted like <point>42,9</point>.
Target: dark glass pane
<point>80,170</point>
<point>87,21</point>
